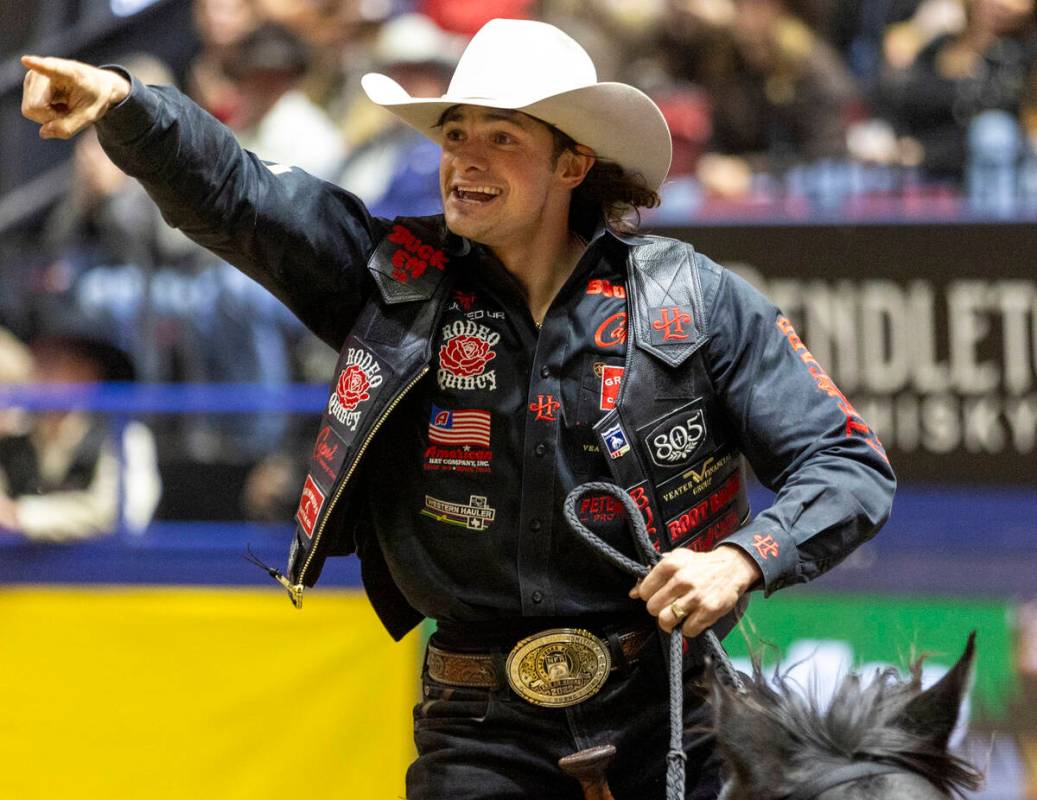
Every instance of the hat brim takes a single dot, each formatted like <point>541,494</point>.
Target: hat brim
<point>617,121</point>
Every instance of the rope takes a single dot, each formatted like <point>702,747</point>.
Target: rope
<point>675,758</point>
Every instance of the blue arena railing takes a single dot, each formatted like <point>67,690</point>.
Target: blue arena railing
<point>941,539</point>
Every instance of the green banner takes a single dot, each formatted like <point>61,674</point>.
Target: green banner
<point>893,630</point>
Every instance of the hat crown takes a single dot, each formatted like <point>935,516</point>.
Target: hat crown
<point>518,59</point>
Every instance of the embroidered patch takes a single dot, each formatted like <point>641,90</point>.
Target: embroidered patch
<point>606,288</point>
<point>329,451</point>
<point>611,380</point>
<point>612,332</point>
<point>475,516</point>
<point>464,355</point>
<point>599,508</point>
<point>360,374</point>
<point>545,407</point>
<point>468,426</point>
<point>413,257</point>
<point>668,324</point>
<point>462,301</point>
<point>765,546</point>
<point>676,440</point>
<point>695,480</point>
<point>457,459</point>
<point>640,498</point>
<point>689,521</point>
<point>718,531</point>
<point>855,423</point>
<point>616,441</point>
<point>310,504</point>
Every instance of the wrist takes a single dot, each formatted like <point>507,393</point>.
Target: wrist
<point>746,571</point>
<point>119,88</point>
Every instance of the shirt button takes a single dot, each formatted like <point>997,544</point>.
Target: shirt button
<point>545,371</point>
<point>540,449</point>
<point>538,596</point>
<point>534,525</point>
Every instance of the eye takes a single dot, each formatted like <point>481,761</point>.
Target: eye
<point>502,138</point>
<point>453,135</point>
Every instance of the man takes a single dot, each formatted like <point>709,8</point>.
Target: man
<point>492,359</point>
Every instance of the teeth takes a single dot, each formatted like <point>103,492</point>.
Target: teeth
<point>480,189</point>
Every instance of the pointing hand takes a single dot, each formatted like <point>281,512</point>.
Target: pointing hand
<point>66,96</point>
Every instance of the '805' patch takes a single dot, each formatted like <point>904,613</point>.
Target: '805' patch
<point>676,440</point>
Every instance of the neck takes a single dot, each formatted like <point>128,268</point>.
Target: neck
<point>542,264</point>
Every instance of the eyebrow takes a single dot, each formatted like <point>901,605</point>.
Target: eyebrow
<point>454,113</point>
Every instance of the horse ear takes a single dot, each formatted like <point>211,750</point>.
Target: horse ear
<point>934,712</point>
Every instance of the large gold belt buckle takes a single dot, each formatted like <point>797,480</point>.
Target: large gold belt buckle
<point>558,667</point>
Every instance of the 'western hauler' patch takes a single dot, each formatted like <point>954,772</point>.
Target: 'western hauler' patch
<point>310,504</point>
<point>476,515</point>
<point>360,374</point>
<point>466,350</point>
<point>676,440</point>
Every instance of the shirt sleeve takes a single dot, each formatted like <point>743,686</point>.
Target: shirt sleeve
<point>304,239</point>
<point>804,439</point>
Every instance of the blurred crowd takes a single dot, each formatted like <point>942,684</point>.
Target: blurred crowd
<point>822,106</point>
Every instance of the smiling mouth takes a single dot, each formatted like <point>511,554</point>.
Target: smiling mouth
<point>476,194</point>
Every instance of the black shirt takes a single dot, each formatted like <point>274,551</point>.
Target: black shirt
<point>474,465</point>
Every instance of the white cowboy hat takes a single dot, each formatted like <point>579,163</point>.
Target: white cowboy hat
<point>535,68</point>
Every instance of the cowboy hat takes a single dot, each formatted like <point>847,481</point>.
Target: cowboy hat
<point>535,68</point>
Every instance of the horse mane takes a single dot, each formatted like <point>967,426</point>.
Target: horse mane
<point>863,722</point>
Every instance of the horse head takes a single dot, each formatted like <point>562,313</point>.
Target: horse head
<point>883,739</point>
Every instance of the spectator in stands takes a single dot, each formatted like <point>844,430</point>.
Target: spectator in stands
<point>220,26</point>
<point>987,66</point>
<point>69,475</point>
<point>395,170</point>
<point>780,95</point>
<point>15,367</point>
<point>889,33</point>
<point>270,115</point>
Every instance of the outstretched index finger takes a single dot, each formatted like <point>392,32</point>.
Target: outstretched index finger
<point>51,67</point>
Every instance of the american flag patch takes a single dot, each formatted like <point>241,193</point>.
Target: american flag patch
<point>471,426</point>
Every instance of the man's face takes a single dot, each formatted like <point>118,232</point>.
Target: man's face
<point>498,175</point>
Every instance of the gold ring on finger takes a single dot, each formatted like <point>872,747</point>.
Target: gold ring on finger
<point>678,611</point>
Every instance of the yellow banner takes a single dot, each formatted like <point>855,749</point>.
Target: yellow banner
<point>128,692</point>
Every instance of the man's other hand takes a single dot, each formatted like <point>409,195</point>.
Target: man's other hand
<point>693,589</point>
<point>66,96</point>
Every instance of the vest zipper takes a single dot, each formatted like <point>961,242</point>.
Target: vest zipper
<point>295,590</point>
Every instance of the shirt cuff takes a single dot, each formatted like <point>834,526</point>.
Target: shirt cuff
<point>131,116</point>
<point>774,552</point>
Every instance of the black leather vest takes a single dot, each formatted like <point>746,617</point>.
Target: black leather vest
<point>665,443</point>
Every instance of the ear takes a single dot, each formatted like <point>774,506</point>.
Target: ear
<point>934,712</point>
<point>573,165</point>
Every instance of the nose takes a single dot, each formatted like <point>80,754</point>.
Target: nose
<point>470,156</point>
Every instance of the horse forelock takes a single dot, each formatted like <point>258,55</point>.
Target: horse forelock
<point>862,722</point>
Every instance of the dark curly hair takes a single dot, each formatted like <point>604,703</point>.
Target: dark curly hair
<point>608,191</point>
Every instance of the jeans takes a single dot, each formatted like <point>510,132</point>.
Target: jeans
<point>482,743</point>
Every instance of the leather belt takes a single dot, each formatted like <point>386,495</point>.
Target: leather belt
<point>558,667</point>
